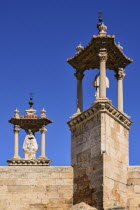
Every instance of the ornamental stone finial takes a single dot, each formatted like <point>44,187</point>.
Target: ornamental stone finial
<point>120,74</point>
<point>16,113</point>
<point>31,103</point>
<point>31,111</point>
<point>43,111</point>
<point>119,46</point>
<point>79,47</point>
<point>101,26</point>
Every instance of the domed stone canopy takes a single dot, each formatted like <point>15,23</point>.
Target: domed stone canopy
<point>88,57</point>
<point>30,121</point>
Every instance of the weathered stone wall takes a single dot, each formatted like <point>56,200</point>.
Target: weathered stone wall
<point>100,156</point>
<point>133,186</point>
<point>115,147</point>
<point>36,187</point>
<point>87,162</point>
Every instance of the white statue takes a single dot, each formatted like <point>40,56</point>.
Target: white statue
<point>30,143</point>
<point>96,84</point>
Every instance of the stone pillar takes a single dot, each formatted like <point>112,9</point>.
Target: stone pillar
<point>43,132</point>
<point>79,101</point>
<point>16,131</point>
<point>99,156</point>
<point>103,58</point>
<point>119,76</point>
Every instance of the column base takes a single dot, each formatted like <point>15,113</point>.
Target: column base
<point>16,158</point>
<point>102,100</point>
<point>41,157</point>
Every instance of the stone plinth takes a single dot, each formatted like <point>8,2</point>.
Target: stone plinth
<point>100,156</point>
<point>36,188</point>
<point>30,162</point>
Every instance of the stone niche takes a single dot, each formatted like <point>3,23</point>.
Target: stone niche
<point>36,187</point>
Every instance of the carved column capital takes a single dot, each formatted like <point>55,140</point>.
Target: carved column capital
<point>120,74</point>
<point>16,128</point>
<point>79,75</point>
<point>43,129</point>
<point>103,55</point>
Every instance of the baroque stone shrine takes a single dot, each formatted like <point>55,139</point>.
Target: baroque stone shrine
<point>31,123</point>
<point>99,176</point>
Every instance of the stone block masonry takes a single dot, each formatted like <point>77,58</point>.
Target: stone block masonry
<point>133,188</point>
<point>36,187</point>
<point>100,156</point>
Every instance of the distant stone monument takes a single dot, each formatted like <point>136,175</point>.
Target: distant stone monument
<point>31,123</point>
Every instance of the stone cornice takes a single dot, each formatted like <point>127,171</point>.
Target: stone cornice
<point>97,108</point>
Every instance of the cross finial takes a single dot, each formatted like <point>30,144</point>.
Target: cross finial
<point>31,103</point>
<point>79,47</point>
<point>100,16</point>
<point>101,26</point>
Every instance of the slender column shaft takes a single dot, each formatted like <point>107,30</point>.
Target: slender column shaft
<point>120,76</point>
<point>79,96</point>
<point>103,58</point>
<point>16,131</point>
<point>120,95</point>
<point>43,132</point>
<point>79,101</point>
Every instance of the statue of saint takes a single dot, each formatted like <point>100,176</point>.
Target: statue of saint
<point>96,84</point>
<point>30,143</point>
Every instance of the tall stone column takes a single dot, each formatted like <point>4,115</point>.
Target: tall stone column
<point>120,76</point>
<point>43,132</point>
<point>79,101</point>
<point>103,58</point>
<point>16,131</point>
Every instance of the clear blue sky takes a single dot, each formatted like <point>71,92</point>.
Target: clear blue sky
<point>36,38</point>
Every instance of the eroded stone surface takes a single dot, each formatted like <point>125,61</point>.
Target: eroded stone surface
<point>100,156</point>
<point>36,187</point>
<point>82,206</point>
<point>133,187</point>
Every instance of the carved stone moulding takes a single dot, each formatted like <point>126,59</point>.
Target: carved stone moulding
<point>33,162</point>
<point>99,107</point>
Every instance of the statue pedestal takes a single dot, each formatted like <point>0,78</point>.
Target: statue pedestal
<point>30,155</point>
